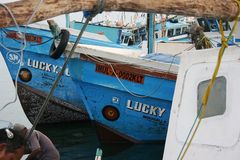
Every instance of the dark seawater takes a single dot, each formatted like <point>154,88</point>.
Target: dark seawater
<point>78,141</point>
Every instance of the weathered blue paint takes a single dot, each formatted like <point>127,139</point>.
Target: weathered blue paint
<point>44,71</point>
<point>43,68</point>
<point>139,122</point>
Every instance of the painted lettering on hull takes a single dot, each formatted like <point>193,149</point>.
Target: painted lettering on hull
<point>44,66</point>
<point>145,108</point>
<point>14,58</point>
<point>28,37</point>
<point>133,77</point>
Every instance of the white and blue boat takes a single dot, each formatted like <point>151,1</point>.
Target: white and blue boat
<point>176,30</point>
<point>172,31</point>
<point>128,97</point>
<point>125,36</point>
<point>39,71</point>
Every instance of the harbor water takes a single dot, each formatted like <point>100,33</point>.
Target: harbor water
<point>78,141</point>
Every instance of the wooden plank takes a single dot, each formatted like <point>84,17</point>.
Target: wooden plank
<point>22,9</point>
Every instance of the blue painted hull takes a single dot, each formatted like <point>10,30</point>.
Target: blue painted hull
<point>43,68</point>
<point>137,119</point>
<point>44,71</point>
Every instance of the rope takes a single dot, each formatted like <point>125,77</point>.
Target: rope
<point>210,85</point>
<point>22,47</point>
<point>98,9</point>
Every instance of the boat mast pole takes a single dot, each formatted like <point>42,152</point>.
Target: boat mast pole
<point>67,17</point>
<point>150,29</point>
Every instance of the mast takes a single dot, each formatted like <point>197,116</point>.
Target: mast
<point>67,17</point>
<point>150,29</point>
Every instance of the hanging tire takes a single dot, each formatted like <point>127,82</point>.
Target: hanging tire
<point>56,52</point>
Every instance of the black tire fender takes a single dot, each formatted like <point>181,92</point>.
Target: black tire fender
<point>56,52</point>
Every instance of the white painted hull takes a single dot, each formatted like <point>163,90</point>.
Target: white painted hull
<point>218,136</point>
<point>13,112</point>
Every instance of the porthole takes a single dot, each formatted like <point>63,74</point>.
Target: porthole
<point>111,113</point>
<point>25,75</point>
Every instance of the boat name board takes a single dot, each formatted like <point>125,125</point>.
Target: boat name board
<point>44,66</point>
<point>133,77</point>
<point>28,37</point>
<point>145,108</point>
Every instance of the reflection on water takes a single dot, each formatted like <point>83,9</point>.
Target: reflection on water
<point>78,141</point>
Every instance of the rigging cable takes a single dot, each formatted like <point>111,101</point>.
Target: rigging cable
<point>98,9</point>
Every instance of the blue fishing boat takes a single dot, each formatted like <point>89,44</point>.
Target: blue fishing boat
<point>126,36</point>
<point>128,97</point>
<point>175,30</point>
<point>39,70</point>
<point>172,31</point>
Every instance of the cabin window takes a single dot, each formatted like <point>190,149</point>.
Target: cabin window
<point>178,31</point>
<point>203,24</point>
<point>217,99</point>
<point>184,30</point>
<point>213,24</point>
<point>137,38</point>
<point>226,26</point>
<point>126,40</point>
<point>156,35</point>
<point>131,41</point>
<point>170,32</point>
<point>122,38</point>
<point>144,37</point>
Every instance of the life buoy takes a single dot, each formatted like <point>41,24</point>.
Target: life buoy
<point>56,52</point>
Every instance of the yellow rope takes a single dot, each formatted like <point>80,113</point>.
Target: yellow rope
<point>211,83</point>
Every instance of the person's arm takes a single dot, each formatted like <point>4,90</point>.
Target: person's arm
<point>34,153</point>
<point>35,147</point>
